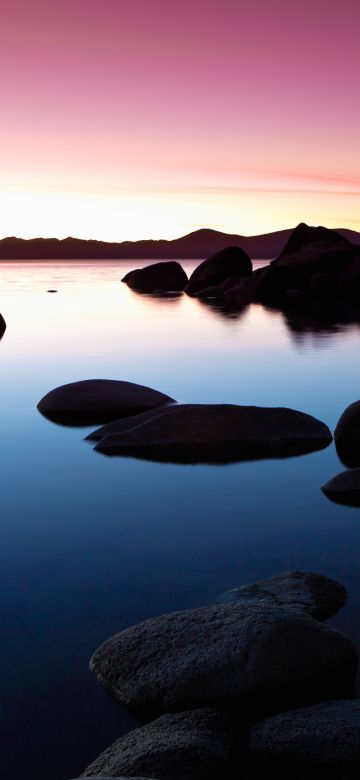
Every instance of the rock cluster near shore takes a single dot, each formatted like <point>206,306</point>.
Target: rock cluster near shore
<point>236,688</point>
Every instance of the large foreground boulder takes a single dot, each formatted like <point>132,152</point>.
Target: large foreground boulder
<point>344,488</point>
<point>303,591</point>
<point>231,262</point>
<point>126,423</point>
<point>157,277</point>
<point>99,400</point>
<point>347,435</point>
<point>211,433</point>
<point>193,745</point>
<point>265,658</point>
<point>325,736</point>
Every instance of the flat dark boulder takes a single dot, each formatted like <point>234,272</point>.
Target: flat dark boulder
<point>263,657</point>
<point>157,277</point>
<point>194,745</point>
<point>325,736</point>
<point>230,262</point>
<point>303,591</point>
<point>99,400</point>
<point>344,488</point>
<point>126,423</point>
<point>219,433</point>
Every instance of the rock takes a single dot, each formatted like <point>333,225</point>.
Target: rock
<point>126,423</point>
<point>2,326</point>
<point>98,400</point>
<point>305,234</point>
<point>267,658</point>
<point>158,276</point>
<point>326,735</point>
<point>102,777</point>
<point>347,435</point>
<point>344,488</point>
<point>219,433</point>
<point>229,262</point>
<point>185,746</point>
<point>244,291</point>
<point>313,594</point>
<point>52,291</point>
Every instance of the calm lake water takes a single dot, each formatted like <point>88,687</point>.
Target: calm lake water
<point>89,544</point>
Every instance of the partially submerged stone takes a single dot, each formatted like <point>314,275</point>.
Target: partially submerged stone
<point>186,746</point>
<point>99,400</point>
<point>347,435</point>
<point>326,735</point>
<point>307,592</point>
<point>230,262</point>
<point>161,276</point>
<point>344,488</point>
<point>265,658</point>
<point>126,423</point>
<point>2,326</point>
<point>219,433</point>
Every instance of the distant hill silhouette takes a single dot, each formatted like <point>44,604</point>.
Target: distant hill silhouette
<point>199,244</point>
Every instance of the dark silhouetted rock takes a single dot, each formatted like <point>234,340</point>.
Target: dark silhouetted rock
<point>307,592</point>
<point>244,290</point>
<point>269,658</point>
<point>189,433</point>
<point>126,423</point>
<point>347,435</point>
<point>344,488</point>
<point>52,291</point>
<point>305,234</point>
<point>187,746</point>
<point>2,326</point>
<point>230,262</point>
<point>158,276</point>
<point>326,735</point>
<point>98,400</point>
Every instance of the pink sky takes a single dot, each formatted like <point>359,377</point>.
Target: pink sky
<point>147,119</point>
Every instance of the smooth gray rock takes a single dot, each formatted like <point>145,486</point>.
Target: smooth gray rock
<point>325,735</point>
<point>212,433</point>
<point>194,745</point>
<point>268,657</point>
<point>99,400</point>
<point>344,488</point>
<point>307,592</point>
<point>347,435</point>
<point>157,277</point>
<point>229,262</point>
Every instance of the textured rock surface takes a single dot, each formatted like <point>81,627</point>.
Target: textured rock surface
<point>230,262</point>
<point>158,276</point>
<point>209,433</point>
<point>344,488</point>
<point>311,593</point>
<point>126,423</point>
<point>269,657</point>
<point>327,734</point>
<point>193,745</point>
<point>99,400</point>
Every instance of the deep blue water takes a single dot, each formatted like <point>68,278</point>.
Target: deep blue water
<point>89,544</point>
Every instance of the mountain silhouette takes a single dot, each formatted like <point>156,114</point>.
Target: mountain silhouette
<point>196,245</point>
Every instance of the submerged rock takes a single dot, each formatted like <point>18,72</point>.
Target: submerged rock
<point>344,488</point>
<point>98,400</point>
<point>126,423</point>
<point>326,735</point>
<point>212,433</point>
<point>265,658</point>
<point>158,276</point>
<point>192,745</point>
<point>230,262</point>
<point>306,592</point>
<point>347,435</point>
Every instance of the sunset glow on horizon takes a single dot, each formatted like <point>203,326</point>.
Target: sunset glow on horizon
<point>150,120</point>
